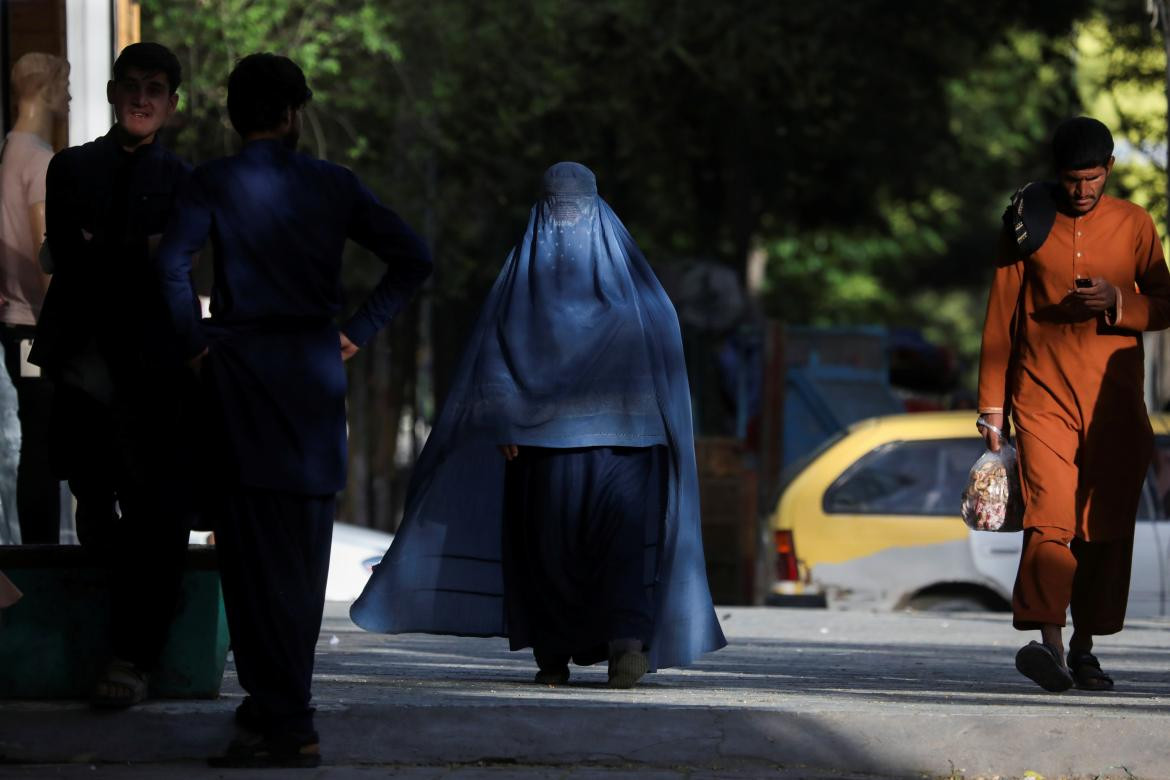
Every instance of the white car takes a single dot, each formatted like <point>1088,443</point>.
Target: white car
<point>352,556</point>
<point>871,520</point>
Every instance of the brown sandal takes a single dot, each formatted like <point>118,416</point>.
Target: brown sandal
<point>254,751</point>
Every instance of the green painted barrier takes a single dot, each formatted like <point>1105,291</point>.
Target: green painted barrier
<point>56,640</point>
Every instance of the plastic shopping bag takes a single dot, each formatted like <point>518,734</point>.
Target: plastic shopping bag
<point>992,500</point>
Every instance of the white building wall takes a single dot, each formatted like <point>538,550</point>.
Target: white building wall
<point>89,42</point>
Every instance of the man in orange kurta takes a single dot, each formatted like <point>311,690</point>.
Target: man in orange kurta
<point>1062,356</point>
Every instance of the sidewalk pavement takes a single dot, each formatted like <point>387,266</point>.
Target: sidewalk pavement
<point>797,693</point>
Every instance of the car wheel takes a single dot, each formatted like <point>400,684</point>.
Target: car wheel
<point>949,602</point>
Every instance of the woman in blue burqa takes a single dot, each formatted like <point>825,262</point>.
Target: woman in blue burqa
<point>556,500</point>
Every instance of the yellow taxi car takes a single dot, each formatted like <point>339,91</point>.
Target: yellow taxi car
<point>871,519</point>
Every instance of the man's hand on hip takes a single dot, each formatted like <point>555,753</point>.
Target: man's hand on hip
<point>348,348</point>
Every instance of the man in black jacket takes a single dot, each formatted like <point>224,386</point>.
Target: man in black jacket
<point>118,409</point>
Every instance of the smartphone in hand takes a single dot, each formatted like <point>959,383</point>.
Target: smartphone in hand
<point>1082,282</point>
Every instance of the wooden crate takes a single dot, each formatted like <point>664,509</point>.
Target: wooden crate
<point>728,498</point>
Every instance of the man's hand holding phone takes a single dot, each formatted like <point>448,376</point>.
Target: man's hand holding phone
<point>1095,294</point>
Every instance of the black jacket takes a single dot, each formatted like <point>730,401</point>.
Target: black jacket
<point>103,308</point>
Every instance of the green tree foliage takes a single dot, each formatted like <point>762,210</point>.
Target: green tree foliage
<point>936,231</point>
<point>1121,77</point>
<point>865,147</point>
<point>711,125</point>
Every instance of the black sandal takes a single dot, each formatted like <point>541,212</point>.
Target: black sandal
<point>253,751</point>
<point>554,667</point>
<point>1041,664</point>
<point>1087,674</point>
<point>558,676</point>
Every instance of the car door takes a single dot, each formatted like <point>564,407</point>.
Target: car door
<point>893,514</point>
<point>1148,581</point>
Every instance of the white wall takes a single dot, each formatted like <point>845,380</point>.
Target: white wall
<point>89,41</point>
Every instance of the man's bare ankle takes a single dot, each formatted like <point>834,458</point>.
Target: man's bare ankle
<point>1051,636</point>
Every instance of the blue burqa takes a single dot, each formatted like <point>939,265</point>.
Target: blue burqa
<point>577,346</point>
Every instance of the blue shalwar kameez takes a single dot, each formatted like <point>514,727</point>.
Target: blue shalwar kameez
<point>275,389</point>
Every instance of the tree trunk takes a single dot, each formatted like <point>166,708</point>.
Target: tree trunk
<point>354,507</point>
<point>383,424</point>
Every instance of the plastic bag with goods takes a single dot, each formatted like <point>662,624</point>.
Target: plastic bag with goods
<point>992,499</point>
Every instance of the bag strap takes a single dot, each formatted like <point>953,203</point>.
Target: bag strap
<point>993,428</point>
<point>1017,331</point>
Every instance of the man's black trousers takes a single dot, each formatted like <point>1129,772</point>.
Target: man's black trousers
<point>134,510</point>
<point>274,561</point>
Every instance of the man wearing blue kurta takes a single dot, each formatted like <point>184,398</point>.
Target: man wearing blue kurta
<point>270,359</point>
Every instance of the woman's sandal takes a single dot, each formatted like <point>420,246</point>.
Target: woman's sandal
<point>121,685</point>
<point>552,676</point>
<point>553,667</point>
<point>1087,674</point>
<point>1041,664</point>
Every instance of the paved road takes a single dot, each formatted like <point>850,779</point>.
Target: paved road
<point>798,693</point>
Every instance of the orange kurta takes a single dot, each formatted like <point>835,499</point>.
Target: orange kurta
<point>1076,381</point>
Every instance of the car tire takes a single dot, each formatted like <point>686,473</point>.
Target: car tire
<point>949,602</point>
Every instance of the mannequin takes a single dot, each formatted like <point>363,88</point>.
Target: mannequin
<point>40,84</point>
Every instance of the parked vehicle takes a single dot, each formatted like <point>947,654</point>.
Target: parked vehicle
<point>352,557</point>
<point>870,519</point>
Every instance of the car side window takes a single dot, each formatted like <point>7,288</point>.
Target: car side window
<point>906,478</point>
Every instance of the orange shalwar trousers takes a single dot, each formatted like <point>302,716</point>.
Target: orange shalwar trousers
<point>1059,570</point>
<point>1068,560</point>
